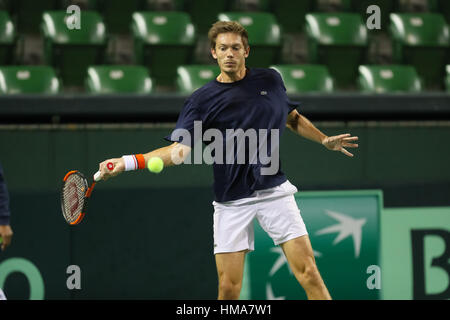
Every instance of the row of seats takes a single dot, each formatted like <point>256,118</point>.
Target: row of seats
<point>136,79</point>
<point>117,13</point>
<point>163,41</point>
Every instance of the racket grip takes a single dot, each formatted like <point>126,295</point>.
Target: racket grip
<point>97,176</point>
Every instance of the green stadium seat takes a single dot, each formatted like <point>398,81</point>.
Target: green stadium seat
<point>264,36</point>
<point>300,78</point>
<point>388,78</point>
<point>162,42</point>
<point>192,77</point>
<point>421,40</point>
<point>117,13</point>
<point>73,51</point>
<point>204,13</point>
<point>7,38</point>
<point>118,79</point>
<point>28,80</point>
<point>291,14</point>
<point>447,78</point>
<point>28,13</point>
<point>339,41</point>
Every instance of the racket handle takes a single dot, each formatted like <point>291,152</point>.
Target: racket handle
<point>97,176</point>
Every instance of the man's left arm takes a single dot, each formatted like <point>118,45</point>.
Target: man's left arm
<point>301,125</point>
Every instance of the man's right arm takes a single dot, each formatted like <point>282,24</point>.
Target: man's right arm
<point>173,154</point>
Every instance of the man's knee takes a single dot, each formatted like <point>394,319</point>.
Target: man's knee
<point>309,274</point>
<point>229,289</point>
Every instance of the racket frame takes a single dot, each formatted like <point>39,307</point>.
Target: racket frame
<point>87,195</point>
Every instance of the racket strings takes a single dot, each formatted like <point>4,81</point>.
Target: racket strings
<point>73,197</point>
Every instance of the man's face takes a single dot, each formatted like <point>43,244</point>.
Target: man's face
<point>230,52</point>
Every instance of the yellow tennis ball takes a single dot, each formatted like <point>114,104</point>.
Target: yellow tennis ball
<point>155,164</point>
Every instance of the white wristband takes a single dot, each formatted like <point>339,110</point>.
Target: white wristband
<point>130,162</point>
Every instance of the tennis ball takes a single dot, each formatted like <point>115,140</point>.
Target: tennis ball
<point>155,164</point>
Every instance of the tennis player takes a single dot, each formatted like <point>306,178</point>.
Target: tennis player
<point>244,98</point>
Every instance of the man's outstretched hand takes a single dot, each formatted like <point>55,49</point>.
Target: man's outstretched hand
<point>340,142</point>
<point>106,173</point>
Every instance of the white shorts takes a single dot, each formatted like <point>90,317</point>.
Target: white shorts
<point>274,208</point>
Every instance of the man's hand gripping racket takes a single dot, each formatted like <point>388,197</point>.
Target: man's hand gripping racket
<point>76,192</point>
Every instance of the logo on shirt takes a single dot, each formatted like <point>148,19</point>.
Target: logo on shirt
<point>263,93</point>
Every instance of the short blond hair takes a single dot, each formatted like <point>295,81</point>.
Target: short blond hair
<point>224,27</point>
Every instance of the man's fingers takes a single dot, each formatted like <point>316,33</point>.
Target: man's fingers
<point>341,136</point>
<point>346,152</point>
<point>109,168</point>
<point>344,141</point>
<point>350,145</point>
<point>338,143</point>
<point>104,171</point>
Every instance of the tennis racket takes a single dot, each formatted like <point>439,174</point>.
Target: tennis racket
<point>75,194</point>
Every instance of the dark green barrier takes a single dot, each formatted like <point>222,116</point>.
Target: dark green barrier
<point>84,108</point>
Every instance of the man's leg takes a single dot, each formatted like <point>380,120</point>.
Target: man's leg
<point>230,271</point>
<point>300,257</point>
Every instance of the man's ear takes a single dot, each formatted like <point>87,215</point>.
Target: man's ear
<point>247,52</point>
<point>213,53</point>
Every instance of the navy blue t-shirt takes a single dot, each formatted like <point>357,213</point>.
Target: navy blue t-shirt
<point>256,103</point>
